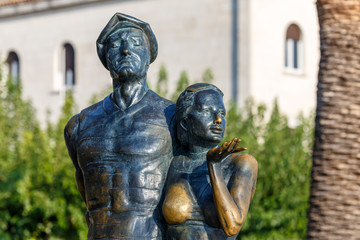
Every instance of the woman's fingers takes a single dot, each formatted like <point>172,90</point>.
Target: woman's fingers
<point>239,149</point>
<point>236,145</point>
<point>224,145</point>
<point>231,145</point>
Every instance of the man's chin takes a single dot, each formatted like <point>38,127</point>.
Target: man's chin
<point>124,74</point>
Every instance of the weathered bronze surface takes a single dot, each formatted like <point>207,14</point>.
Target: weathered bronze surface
<point>121,147</point>
<point>209,188</point>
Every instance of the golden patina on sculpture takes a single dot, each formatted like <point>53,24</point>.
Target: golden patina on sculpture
<point>123,146</point>
<point>209,188</point>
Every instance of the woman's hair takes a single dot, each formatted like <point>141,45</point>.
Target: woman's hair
<point>184,105</point>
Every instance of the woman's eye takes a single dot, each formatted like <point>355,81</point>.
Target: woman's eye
<point>206,110</point>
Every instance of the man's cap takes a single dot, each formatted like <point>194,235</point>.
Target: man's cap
<point>119,21</point>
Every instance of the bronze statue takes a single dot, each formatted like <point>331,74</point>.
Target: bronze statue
<point>121,147</point>
<point>209,188</point>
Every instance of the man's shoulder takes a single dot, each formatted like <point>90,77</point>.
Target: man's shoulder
<point>71,129</point>
<point>161,102</point>
<point>162,110</point>
<point>93,115</point>
<point>95,109</point>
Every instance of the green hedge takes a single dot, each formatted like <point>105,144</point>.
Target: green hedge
<point>38,195</point>
<point>279,208</point>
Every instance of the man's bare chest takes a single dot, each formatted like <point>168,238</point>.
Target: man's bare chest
<point>133,142</point>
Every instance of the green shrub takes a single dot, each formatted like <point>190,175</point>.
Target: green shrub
<point>279,207</point>
<point>38,195</point>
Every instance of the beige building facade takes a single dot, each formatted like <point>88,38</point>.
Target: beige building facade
<point>246,44</point>
<point>270,72</point>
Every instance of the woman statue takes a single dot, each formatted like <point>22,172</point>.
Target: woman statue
<point>209,188</point>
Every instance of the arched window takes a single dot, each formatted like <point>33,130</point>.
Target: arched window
<point>13,64</point>
<point>293,48</point>
<point>68,63</point>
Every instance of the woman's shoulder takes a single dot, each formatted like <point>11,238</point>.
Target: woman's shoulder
<point>235,162</point>
<point>244,159</point>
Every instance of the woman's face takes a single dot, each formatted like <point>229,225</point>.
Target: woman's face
<point>206,119</point>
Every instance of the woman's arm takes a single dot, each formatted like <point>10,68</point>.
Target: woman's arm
<point>243,181</point>
<point>230,213</point>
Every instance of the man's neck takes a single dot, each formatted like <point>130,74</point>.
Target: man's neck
<point>128,94</point>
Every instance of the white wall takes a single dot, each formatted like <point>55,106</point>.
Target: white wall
<point>192,36</point>
<point>269,79</point>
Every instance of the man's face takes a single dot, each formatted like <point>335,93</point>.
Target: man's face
<point>206,120</point>
<point>128,54</point>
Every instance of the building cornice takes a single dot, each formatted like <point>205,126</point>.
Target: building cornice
<point>14,8</point>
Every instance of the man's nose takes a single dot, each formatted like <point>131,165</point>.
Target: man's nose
<point>218,119</point>
<point>124,48</point>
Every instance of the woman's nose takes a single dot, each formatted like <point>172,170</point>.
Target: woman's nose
<point>218,119</point>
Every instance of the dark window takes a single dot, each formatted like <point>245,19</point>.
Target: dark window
<point>293,47</point>
<point>14,66</point>
<point>296,52</point>
<point>69,71</point>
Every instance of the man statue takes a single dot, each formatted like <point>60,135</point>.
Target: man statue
<point>121,147</point>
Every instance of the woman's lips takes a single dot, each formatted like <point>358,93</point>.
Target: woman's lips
<point>216,129</point>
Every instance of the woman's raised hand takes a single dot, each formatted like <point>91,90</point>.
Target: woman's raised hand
<point>217,154</point>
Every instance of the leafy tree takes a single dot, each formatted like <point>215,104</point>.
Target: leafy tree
<point>38,195</point>
<point>161,85</point>
<point>208,76</point>
<point>16,122</point>
<point>279,207</point>
<point>182,83</point>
